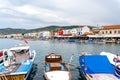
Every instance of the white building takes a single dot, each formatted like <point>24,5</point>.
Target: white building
<point>81,30</point>
<point>68,31</point>
<point>31,35</point>
<point>45,34</point>
<point>110,31</point>
<point>74,32</point>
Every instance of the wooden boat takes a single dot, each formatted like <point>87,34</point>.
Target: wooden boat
<point>17,63</point>
<point>97,67</point>
<point>114,60</point>
<point>55,68</point>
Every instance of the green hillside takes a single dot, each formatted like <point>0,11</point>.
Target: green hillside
<point>50,28</point>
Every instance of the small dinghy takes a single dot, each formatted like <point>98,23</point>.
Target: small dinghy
<point>55,68</point>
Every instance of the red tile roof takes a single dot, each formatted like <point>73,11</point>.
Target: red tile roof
<point>87,33</point>
<point>95,31</point>
<point>111,27</point>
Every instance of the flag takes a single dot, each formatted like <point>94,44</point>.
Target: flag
<point>26,42</point>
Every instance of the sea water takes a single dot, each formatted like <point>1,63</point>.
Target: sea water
<point>66,49</point>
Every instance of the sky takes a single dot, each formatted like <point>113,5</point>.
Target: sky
<point>31,14</point>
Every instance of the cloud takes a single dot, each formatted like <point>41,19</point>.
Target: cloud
<point>37,13</point>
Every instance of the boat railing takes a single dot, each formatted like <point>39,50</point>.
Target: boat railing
<point>55,66</point>
<point>84,67</point>
<point>51,59</point>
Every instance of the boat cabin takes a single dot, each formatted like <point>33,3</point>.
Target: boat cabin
<point>54,62</point>
<point>52,58</point>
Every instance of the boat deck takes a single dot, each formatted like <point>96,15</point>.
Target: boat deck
<point>97,66</point>
<point>21,57</point>
<point>54,67</point>
<point>15,64</point>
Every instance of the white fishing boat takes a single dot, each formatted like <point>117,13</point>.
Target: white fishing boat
<point>55,68</point>
<point>114,60</point>
<point>17,63</point>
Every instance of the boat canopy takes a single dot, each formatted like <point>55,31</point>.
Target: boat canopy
<point>20,48</point>
<point>96,64</point>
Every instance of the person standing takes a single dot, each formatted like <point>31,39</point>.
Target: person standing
<point>10,56</point>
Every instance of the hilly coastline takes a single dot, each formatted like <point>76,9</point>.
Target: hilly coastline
<point>50,28</point>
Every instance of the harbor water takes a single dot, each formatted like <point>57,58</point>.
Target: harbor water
<point>66,49</point>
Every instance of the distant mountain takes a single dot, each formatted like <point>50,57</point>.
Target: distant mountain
<point>50,28</point>
<point>53,28</point>
<point>12,31</point>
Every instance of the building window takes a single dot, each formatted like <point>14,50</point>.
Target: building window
<point>114,32</point>
<point>110,32</point>
<point>102,32</point>
<point>118,31</point>
<point>81,29</point>
<point>106,32</point>
<point>81,33</point>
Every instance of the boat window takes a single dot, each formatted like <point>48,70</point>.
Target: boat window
<point>47,67</point>
<point>53,56</point>
<point>62,67</point>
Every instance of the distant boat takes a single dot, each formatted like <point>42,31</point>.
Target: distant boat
<point>114,60</point>
<point>55,68</point>
<point>17,63</point>
<point>100,41</point>
<point>97,67</point>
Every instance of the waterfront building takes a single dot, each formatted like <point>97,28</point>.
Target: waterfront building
<point>112,31</point>
<point>2,36</point>
<point>108,34</point>
<point>109,31</point>
<point>8,36</point>
<point>17,36</point>
<point>60,32</point>
<point>81,30</point>
<point>67,32</point>
<point>44,34</point>
<point>73,31</point>
<point>31,36</point>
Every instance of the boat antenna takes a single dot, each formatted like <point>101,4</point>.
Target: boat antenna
<point>70,60</point>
